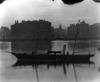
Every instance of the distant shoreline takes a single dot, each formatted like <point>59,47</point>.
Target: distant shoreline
<point>49,39</point>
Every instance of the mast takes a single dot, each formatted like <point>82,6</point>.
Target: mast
<point>76,36</point>
<point>37,36</point>
<point>89,43</point>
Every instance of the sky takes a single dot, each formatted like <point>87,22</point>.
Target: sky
<point>54,11</point>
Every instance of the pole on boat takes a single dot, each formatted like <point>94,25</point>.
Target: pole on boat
<point>37,36</point>
<point>74,50</point>
<point>64,49</point>
<point>76,36</point>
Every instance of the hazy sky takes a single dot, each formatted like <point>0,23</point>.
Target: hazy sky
<point>53,11</point>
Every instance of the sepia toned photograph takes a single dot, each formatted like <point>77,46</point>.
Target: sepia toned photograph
<point>50,41</point>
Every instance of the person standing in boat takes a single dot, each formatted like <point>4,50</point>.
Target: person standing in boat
<point>67,53</point>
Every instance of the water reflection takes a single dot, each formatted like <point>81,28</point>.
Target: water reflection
<point>84,46</point>
<point>29,46</point>
<point>47,73</point>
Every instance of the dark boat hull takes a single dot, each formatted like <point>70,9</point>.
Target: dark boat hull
<point>54,58</point>
<point>48,63</point>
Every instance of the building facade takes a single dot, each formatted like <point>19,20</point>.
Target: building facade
<point>31,30</point>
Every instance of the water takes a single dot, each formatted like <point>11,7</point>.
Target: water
<point>84,73</point>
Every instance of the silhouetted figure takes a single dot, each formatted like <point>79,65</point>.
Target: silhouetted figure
<point>67,53</point>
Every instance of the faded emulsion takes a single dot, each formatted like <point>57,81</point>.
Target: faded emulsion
<point>1,1</point>
<point>71,2</point>
<point>68,2</point>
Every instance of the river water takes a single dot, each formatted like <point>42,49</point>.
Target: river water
<point>76,73</point>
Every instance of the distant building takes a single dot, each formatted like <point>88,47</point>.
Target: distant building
<point>72,31</point>
<point>81,29</point>
<point>31,29</point>
<point>95,30</point>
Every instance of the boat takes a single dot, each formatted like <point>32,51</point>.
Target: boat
<point>53,61</point>
<point>53,57</point>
